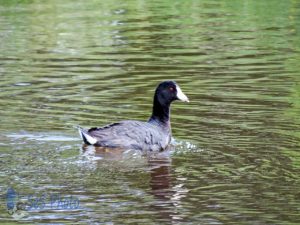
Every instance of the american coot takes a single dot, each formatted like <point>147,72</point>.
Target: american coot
<point>153,135</point>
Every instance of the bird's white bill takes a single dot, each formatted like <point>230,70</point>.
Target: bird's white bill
<point>180,95</point>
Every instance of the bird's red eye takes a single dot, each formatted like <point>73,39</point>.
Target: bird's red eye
<point>171,89</point>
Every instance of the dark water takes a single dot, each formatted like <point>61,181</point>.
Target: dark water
<point>236,156</point>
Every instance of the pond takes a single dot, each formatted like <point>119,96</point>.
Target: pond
<point>235,156</point>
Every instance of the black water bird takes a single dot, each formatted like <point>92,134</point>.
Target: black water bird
<point>153,135</point>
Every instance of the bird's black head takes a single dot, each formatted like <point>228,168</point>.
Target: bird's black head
<point>168,91</point>
<point>165,93</point>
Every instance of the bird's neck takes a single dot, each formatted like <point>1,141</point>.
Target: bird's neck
<point>160,113</point>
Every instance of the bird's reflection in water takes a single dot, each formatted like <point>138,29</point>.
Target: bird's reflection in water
<point>167,188</point>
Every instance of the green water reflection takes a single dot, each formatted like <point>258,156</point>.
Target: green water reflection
<point>236,159</point>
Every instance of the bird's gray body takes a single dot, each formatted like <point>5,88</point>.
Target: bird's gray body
<point>129,134</point>
<point>154,135</point>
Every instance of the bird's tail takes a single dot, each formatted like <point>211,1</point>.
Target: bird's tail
<point>86,137</point>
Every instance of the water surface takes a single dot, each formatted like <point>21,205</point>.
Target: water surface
<point>235,158</point>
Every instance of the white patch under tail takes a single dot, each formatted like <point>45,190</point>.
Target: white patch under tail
<point>91,140</point>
